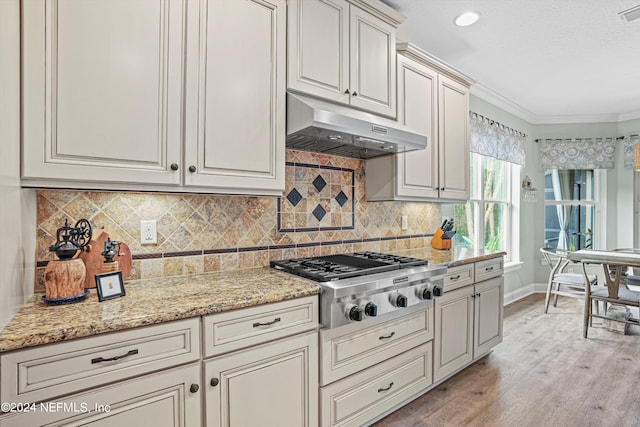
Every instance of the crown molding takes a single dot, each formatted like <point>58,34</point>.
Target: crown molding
<point>629,116</point>
<point>503,102</point>
<point>516,109</point>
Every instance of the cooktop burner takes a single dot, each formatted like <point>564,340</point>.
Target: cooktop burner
<point>335,267</point>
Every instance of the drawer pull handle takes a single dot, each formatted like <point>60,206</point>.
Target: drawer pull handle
<point>214,382</point>
<point>489,268</point>
<point>380,390</point>
<point>455,277</point>
<point>257,324</point>
<point>386,337</point>
<point>111,359</point>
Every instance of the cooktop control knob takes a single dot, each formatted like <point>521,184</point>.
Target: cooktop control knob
<point>371,309</point>
<point>426,294</point>
<point>355,313</point>
<point>437,291</point>
<point>401,301</point>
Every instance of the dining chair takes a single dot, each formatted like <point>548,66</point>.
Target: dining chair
<point>561,282</point>
<point>616,292</point>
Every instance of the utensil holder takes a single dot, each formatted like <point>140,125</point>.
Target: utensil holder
<point>438,242</point>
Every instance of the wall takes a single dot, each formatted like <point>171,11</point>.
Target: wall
<point>202,233</point>
<point>17,211</point>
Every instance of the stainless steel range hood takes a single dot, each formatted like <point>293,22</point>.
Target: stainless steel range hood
<point>323,127</point>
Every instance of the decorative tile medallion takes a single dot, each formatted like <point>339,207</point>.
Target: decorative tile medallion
<point>327,198</point>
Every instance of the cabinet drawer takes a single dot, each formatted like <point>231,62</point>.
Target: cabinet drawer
<point>458,277</point>
<point>489,268</point>
<point>362,397</point>
<point>232,330</point>
<point>49,371</point>
<point>353,351</point>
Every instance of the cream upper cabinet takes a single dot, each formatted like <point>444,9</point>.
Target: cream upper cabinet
<point>235,89</point>
<point>116,92</point>
<point>453,141</point>
<point>345,53</point>
<point>102,90</point>
<point>431,103</point>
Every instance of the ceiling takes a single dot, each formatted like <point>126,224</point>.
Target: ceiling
<point>547,61</point>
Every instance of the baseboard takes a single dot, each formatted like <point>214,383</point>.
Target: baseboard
<point>518,294</point>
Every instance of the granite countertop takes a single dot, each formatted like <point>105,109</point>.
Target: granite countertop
<point>149,302</point>
<point>451,257</point>
<point>153,301</point>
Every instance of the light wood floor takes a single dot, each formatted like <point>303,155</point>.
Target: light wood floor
<point>543,374</point>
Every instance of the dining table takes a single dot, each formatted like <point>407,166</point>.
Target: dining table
<point>615,263</point>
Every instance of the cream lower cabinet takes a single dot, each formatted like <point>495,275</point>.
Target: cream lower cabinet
<point>344,53</point>
<point>468,319</point>
<point>152,95</point>
<point>271,385</point>
<point>170,398</point>
<point>433,101</point>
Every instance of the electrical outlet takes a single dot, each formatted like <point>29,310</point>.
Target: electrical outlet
<point>148,232</point>
<point>405,222</point>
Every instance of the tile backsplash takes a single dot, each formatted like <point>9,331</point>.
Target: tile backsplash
<point>323,210</point>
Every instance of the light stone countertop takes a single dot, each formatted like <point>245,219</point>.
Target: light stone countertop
<point>149,302</point>
<point>153,301</point>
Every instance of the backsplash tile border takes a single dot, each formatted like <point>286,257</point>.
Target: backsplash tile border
<point>287,214</point>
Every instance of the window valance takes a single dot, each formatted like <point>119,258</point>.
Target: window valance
<point>578,153</point>
<point>630,142</point>
<point>490,138</point>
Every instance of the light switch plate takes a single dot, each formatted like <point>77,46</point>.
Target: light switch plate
<point>148,232</point>
<point>405,222</point>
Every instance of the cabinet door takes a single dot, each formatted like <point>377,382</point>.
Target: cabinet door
<point>235,130</point>
<point>164,399</point>
<point>102,90</point>
<point>417,171</point>
<point>453,338</point>
<point>453,122</point>
<point>318,43</point>
<point>489,304</point>
<point>271,385</point>
<point>372,71</point>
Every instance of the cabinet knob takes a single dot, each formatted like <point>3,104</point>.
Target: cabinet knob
<point>347,91</point>
<point>442,189</point>
<point>354,94</point>
<point>174,166</point>
<point>194,388</point>
<point>214,382</point>
<point>192,169</point>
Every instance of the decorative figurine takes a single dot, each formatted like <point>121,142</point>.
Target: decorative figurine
<point>64,278</point>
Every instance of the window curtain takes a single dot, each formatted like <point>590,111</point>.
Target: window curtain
<point>579,153</point>
<point>490,138</point>
<point>562,182</point>
<point>629,145</point>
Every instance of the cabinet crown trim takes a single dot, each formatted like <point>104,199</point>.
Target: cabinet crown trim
<point>414,52</point>
<point>380,10</point>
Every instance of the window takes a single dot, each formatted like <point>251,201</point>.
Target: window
<point>486,220</point>
<point>569,211</point>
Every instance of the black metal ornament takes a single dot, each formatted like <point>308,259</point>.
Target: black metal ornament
<point>111,249</point>
<point>70,240</point>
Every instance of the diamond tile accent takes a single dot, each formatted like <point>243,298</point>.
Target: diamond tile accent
<point>294,197</point>
<point>319,183</point>
<point>341,198</point>
<point>319,212</point>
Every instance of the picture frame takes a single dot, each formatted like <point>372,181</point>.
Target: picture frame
<point>110,285</point>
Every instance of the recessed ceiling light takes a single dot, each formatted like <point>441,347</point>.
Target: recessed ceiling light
<point>466,19</point>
